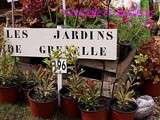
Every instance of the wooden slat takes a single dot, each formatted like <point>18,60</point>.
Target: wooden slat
<point>123,66</point>
<point>110,66</point>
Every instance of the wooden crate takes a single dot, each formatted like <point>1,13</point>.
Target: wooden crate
<point>110,70</point>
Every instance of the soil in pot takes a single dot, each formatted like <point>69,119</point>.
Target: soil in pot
<point>101,112</point>
<point>68,104</point>
<point>125,113</point>
<point>151,89</point>
<point>42,109</point>
<point>8,94</point>
<point>125,49</point>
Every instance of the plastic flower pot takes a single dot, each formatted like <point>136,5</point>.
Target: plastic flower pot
<point>97,115</point>
<point>151,89</point>
<point>42,109</point>
<point>100,113</point>
<point>9,94</point>
<point>69,105</point>
<point>121,115</point>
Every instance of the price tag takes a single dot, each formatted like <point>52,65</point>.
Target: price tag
<point>61,66</point>
<point>11,1</point>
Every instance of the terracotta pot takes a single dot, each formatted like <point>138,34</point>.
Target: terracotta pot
<point>9,94</point>
<point>120,115</point>
<point>151,89</point>
<point>69,105</point>
<point>102,113</point>
<point>94,115</point>
<point>42,109</point>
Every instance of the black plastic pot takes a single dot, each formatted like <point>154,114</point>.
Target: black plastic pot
<point>124,50</point>
<point>154,31</point>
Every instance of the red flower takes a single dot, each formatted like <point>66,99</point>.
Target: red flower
<point>125,19</point>
<point>112,25</point>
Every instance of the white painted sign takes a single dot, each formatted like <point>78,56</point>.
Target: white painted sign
<point>40,42</point>
<point>11,0</point>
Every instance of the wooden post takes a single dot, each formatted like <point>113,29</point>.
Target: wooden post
<point>13,6</point>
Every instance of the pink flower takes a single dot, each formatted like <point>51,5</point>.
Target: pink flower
<point>149,23</point>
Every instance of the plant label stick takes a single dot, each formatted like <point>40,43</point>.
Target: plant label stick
<point>61,67</point>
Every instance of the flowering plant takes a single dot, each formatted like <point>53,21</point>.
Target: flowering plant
<point>131,29</point>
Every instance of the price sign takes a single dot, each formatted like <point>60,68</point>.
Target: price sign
<point>61,66</point>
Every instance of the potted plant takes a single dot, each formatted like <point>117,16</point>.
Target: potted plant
<point>91,106</point>
<point>43,98</point>
<point>132,31</point>
<point>8,79</point>
<point>123,107</point>
<point>8,76</point>
<point>151,71</point>
<point>69,99</point>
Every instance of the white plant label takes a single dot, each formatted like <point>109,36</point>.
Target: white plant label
<point>61,66</point>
